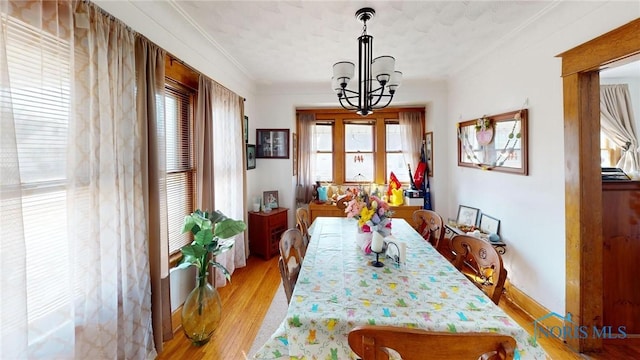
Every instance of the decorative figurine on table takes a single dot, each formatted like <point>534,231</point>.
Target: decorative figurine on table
<point>316,194</point>
<point>395,192</point>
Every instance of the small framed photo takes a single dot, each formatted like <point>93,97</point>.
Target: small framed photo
<point>429,152</point>
<point>467,215</point>
<point>488,224</point>
<point>270,199</point>
<point>245,125</point>
<point>295,153</point>
<point>251,156</point>
<point>272,143</point>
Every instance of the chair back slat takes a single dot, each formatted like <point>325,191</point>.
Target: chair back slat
<point>292,250</point>
<point>430,225</point>
<point>302,224</point>
<point>480,262</point>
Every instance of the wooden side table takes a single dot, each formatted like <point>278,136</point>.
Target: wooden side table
<point>323,210</point>
<point>265,229</point>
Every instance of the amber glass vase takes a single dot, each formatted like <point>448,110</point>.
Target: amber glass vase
<point>201,312</point>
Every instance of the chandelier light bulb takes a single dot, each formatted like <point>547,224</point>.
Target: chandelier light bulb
<point>335,86</point>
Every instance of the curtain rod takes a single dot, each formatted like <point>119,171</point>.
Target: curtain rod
<point>102,12</point>
<point>174,58</point>
<point>171,56</point>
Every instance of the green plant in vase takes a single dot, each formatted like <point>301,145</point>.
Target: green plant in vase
<point>212,233</point>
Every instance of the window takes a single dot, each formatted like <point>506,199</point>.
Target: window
<point>358,151</point>
<point>324,156</point>
<point>39,69</point>
<point>350,148</point>
<point>396,160</point>
<point>610,154</point>
<point>179,109</point>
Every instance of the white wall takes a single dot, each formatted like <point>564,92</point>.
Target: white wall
<point>531,208</point>
<point>276,106</point>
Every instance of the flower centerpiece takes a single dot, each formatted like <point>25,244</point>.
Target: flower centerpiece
<point>372,213</point>
<point>212,235</point>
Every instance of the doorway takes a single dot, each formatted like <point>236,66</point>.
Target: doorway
<point>583,186</point>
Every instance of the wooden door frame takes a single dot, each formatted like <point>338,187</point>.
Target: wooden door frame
<point>583,185</point>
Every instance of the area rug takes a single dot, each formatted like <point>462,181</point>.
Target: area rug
<point>275,315</point>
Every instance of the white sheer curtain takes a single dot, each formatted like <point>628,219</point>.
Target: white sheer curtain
<point>228,170</point>
<point>75,268</point>
<point>411,135</point>
<point>307,149</point>
<point>616,120</point>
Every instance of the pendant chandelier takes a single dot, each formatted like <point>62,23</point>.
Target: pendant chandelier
<point>377,78</point>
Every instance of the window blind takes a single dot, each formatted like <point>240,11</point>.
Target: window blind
<point>39,67</point>
<point>179,109</point>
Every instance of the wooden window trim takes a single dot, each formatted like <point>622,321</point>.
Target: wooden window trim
<point>381,117</point>
<point>179,74</point>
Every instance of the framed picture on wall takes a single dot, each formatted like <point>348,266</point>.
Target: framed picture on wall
<point>294,140</point>
<point>428,137</point>
<point>246,129</point>
<point>272,143</point>
<point>251,156</point>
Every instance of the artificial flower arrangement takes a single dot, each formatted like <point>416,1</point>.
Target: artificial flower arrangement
<point>372,214</point>
<point>482,124</point>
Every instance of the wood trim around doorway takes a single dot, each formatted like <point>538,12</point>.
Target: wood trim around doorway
<point>583,186</point>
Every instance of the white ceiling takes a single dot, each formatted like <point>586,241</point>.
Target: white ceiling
<point>630,70</point>
<point>299,41</point>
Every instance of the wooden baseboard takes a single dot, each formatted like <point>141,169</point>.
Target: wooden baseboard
<point>530,307</point>
<point>176,320</point>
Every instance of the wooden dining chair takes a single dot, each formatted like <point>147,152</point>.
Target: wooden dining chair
<point>479,261</point>
<point>290,261</point>
<point>430,225</point>
<point>371,342</point>
<point>302,224</point>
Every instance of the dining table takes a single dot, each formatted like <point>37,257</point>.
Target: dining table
<point>338,289</point>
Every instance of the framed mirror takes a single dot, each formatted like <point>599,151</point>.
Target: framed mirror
<point>495,142</point>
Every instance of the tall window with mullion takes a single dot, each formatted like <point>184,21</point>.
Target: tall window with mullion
<point>324,152</point>
<point>180,162</point>
<point>396,160</point>
<point>359,152</point>
<point>35,198</point>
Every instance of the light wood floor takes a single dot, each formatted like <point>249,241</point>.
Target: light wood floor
<point>244,303</point>
<point>246,300</point>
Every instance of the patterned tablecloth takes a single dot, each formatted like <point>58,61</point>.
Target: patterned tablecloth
<point>337,289</point>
